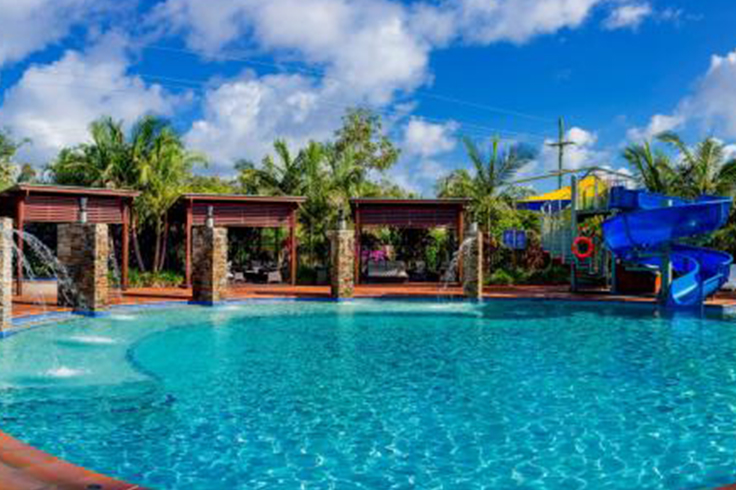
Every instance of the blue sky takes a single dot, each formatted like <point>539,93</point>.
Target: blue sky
<point>234,74</point>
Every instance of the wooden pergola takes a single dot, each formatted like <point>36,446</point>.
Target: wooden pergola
<point>407,214</point>
<point>240,211</point>
<point>33,203</point>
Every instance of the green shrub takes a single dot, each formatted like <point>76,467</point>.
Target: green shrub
<point>553,274</point>
<point>155,279</point>
<point>501,277</point>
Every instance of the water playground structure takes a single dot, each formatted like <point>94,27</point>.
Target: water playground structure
<point>627,240</point>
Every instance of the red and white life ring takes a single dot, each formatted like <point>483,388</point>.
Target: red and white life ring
<point>587,245</point>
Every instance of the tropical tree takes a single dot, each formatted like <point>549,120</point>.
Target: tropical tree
<point>652,168</point>
<point>489,186</point>
<point>162,166</point>
<point>9,171</point>
<point>704,168</point>
<point>362,135</point>
<point>103,162</point>
<point>360,151</point>
<point>283,175</point>
<point>152,159</point>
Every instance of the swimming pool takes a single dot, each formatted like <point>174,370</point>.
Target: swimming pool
<point>382,394</point>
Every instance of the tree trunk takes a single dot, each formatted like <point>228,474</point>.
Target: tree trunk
<point>164,243</point>
<point>136,245</point>
<point>157,247</point>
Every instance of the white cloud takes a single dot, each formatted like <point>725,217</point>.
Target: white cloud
<point>31,25</point>
<point>714,101</point>
<point>428,139</point>
<point>367,45</point>
<point>518,21</point>
<point>628,16</point>
<point>243,117</point>
<point>419,176</point>
<point>659,123</point>
<point>729,152</point>
<point>711,106</point>
<point>53,104</point>
<point>377,47</point>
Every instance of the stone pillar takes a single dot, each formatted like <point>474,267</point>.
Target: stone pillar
<point>342,263</point>
<point>209,264</point>
<point>6,274</point>
<point>83,249</point>
<point>472,254</point>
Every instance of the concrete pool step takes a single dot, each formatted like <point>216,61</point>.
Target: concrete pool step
<point>23,467</point>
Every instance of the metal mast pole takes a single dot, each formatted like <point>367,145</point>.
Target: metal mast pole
<point>560,144</point>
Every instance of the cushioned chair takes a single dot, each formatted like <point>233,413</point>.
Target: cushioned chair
<point>387,270</point>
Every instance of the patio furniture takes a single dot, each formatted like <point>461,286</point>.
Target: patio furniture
<point>274,277</point>
<point>387,270</point>
<point>419,271</point>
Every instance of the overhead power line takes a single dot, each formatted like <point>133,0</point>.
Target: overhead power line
<point>470,128</point>
<point>321,73</point>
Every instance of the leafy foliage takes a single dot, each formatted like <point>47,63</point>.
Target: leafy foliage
<point>9,170</point>
<point>152,159</point>
<point>489,184</point>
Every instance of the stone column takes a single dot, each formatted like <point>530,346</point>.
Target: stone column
<point>342,263</point>
<point>6,274</point>
<point>472,254</point>
<point>209,264</point>
<point>83,249</point>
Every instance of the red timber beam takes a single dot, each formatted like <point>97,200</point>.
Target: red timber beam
<point>358,233</point>
<point>125,234</point>
<point>20,216</point>
<point>188,245</point>
<point>293,259</point>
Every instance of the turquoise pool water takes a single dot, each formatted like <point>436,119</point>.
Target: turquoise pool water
<point>382,394</point>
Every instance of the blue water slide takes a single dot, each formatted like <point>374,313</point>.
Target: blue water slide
<point>649,228</point>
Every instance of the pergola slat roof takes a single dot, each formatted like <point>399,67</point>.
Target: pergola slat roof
<point>37,203</point>
<point>238,210</point>
<point>407,214</point>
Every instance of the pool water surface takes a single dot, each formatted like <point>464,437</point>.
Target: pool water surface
<point>382,394</point>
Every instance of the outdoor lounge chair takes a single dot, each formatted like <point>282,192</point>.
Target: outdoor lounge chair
<point>274,277</point>
<point>387,270</point>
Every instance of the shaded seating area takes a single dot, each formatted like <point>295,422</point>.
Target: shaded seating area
<point>412,219</point>
<point>62,205</point>
<point>248,220</point>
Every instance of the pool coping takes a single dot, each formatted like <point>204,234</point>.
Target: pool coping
<point>23,467</point>
<point>29,322</point>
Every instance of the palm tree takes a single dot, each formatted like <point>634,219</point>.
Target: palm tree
<point>276,177</point>
<point>152,159</point>
<point>101,163</point>
<point>488,186</point>
<point>704,167</point>
<point>653,169</point>
<point>161,166</point>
